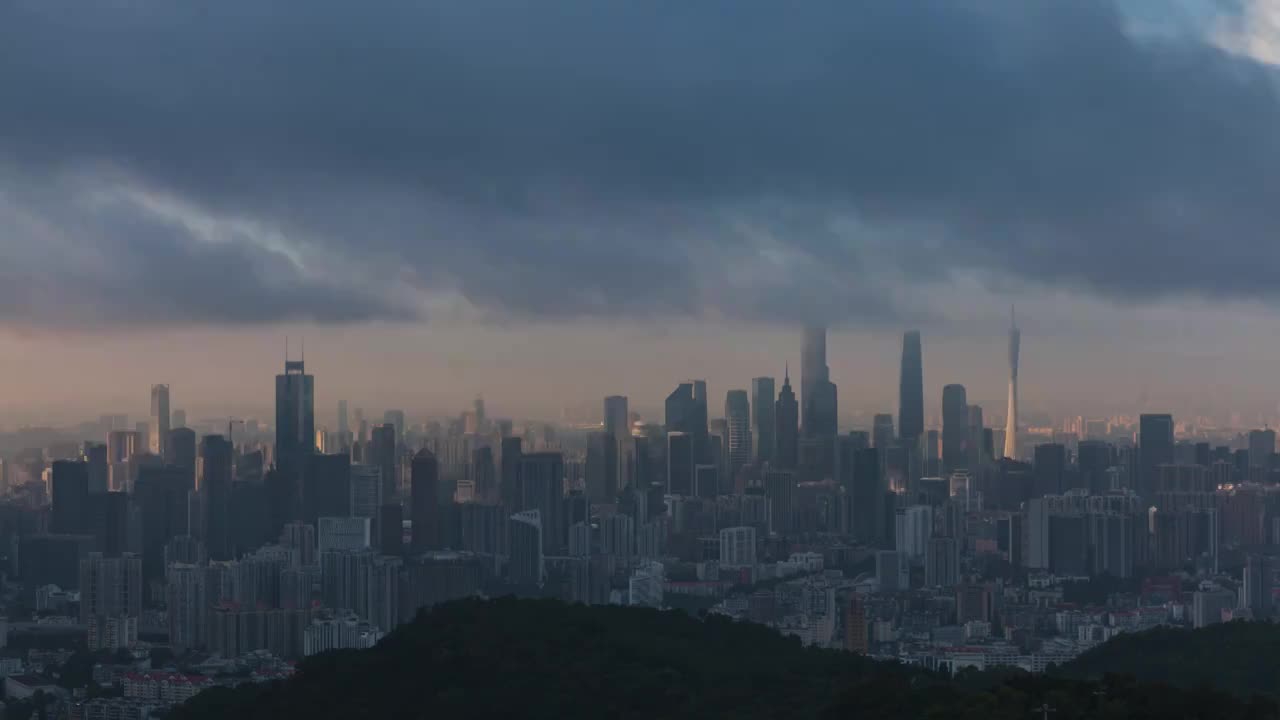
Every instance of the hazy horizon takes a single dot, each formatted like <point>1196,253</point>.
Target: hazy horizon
<point>538,372</point>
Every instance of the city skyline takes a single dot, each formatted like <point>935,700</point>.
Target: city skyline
<point>684,330</point>
<point>312,523</point>
<point>869,365</point>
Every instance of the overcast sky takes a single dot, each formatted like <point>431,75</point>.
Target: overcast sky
<point>549,201</point>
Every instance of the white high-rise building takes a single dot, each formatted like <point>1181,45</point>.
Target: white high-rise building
<point>618,537</point>
<point>1207,606</point>
<point>645,586</point>
<point>335,633</point>
<point>738,547</point>
<point>343,533</point>
<point>184,591</point>
<point>366,490</point>
<point>913,530</point>
<point>1011,423</point>
<point>579,540</point>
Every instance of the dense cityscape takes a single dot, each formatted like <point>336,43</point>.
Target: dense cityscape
<point>870,360</point>
<point>182,560</point>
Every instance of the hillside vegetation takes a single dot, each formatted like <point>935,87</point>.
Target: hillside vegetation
<point>544,659</point>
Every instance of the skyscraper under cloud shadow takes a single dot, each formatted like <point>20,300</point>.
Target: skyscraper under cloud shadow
<point>384,452</point>
<point>911,391</point>
<point>763,397</point>
<point>813,372</point>
<point>686,413</point>
<point>737,412</point>
<point>216,459</point>
<point>955,428</point>
<point>295,414</point>
<point>1155,448</point>
<point>818,405</point>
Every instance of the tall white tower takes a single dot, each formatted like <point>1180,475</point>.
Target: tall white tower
<point>1011,429</point>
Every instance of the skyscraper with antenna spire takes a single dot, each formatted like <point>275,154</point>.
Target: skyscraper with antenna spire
<point>1011,427</point>
<point>786,415</point>
<point>295,413</point>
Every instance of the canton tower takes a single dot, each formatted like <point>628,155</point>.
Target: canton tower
<point>1011,429</point>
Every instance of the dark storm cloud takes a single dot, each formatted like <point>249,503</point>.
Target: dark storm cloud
<point>566,157</point>
<point>110,263</point>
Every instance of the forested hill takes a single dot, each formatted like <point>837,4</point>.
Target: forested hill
<point>1237,657</point>
<point>544,659</point>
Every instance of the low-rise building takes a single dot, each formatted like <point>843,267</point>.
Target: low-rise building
<point>165,687</point>
<point>113,709</point>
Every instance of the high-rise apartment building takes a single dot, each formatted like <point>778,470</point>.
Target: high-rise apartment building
<point>738,547</point>
<point>366,491</point>
<point>110,587</point>
<point>185,603</point>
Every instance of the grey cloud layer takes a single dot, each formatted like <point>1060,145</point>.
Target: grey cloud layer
<point>566,157</point>
<point>84,261</point>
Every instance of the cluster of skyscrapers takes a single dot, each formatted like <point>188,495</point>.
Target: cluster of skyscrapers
<point>289,537</point>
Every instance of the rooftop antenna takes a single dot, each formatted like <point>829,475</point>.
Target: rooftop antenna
<point>286,349</point>
<point>304,349</point>
<point>1013,317</point>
